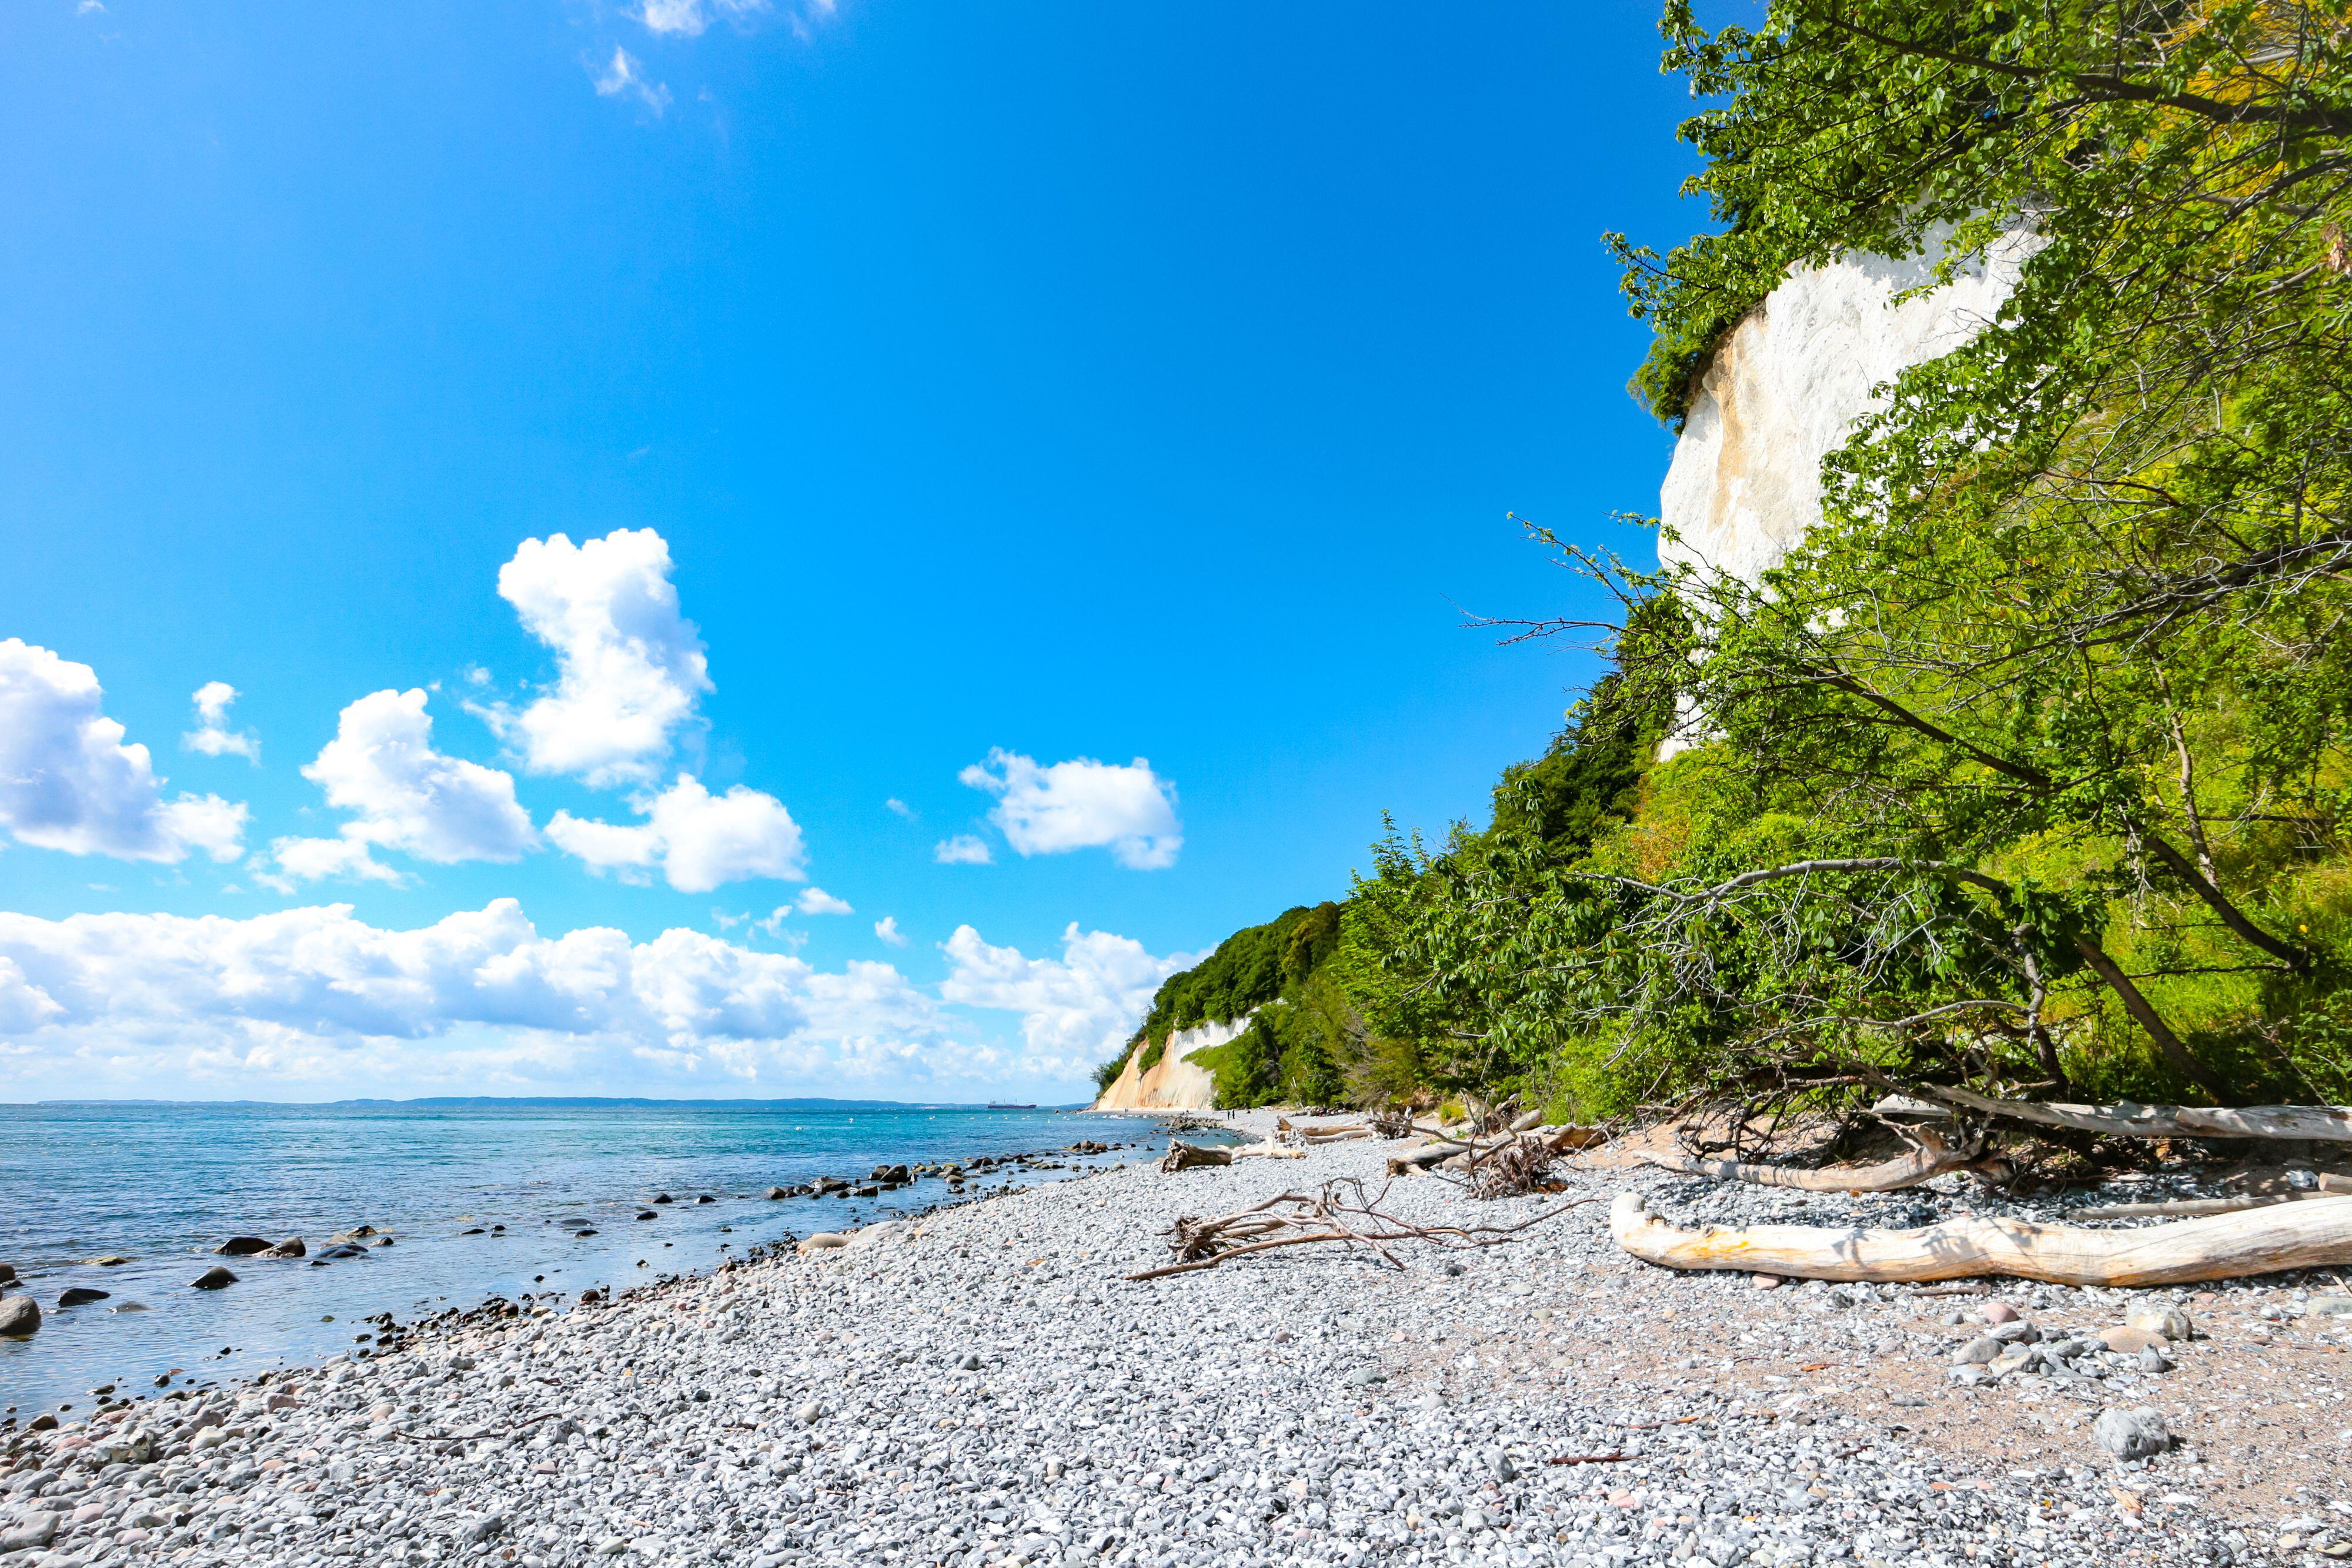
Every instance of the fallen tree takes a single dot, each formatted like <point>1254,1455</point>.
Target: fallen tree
<point>2269,1240</point>
<point>1928,1159</point>
<point>2323,1124</point>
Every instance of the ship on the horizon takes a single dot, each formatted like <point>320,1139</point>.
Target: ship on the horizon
<point>995,1107</point>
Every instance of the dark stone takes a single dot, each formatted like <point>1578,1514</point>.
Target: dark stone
<point>291,1246</point>
<point>80,1295</point>
<point>776,1192</point>
<point>648,1214</point>
<point>242,1247</point>
<point>19,1317</point>
<point>663,1197</point>
<point>215,1279</point>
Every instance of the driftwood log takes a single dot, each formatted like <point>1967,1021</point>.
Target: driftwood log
<point>2270,1240</point>
<point>1343,1211</point>
<point>2325,1123</point>
<point>1928,1159</point>
<point>1183,1156</point>
<point>1562,1140</point>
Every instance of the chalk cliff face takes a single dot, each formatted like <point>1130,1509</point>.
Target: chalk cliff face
<point>1173,1083</point>
<point>1785,388</point>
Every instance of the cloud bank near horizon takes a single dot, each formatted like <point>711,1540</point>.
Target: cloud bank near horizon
<point>312,1002</point>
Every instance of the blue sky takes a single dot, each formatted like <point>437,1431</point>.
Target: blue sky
<point>941,405</point>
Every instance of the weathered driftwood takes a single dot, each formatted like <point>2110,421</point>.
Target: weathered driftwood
<point>1182,1156</point>
<point>2325,1123</point>
<point>2183,1208</point>
<point>1563,1140</point>
<point>1928,1159</point>
<point>1342,1211</point>
<point>2314,1234</point>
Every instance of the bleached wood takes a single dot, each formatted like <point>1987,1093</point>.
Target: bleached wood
<point>2312,1234</point>
<point>2327,1124</point>
<point>1928,1159</point>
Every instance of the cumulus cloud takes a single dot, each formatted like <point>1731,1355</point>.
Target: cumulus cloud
<point>69,782</point>
<point>962,849</point>
<point>816,901</point>
<point>212,735</point>
<point>625,77</point>
<point>628,667</point>
<point>1075,1010</point>
<point>700,841</point>
<point>900,808</point>
<point>888,929</point>
<point>403,795</point>
<point>1082,804</point>
<point>298,859</point>
<point>481,1000</point>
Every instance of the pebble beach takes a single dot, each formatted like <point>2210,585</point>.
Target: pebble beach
<point>979,1386</point>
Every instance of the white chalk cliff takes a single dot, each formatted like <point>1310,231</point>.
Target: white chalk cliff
<point>1785,386</point>
<point>1174,1082</point>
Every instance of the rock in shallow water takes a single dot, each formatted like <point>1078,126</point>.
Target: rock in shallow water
<point>213,1279</point>
<point>81,1295</point>
<point>242,1247</point>
<point>19,1317</point>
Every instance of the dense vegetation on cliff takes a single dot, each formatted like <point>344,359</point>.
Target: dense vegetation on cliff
<point>2029,768</point>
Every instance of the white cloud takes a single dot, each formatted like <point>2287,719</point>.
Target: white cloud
<point>700,841</point>
<point>672,17</point>
<point>687,18</point>
<point>900,806</point>
<point>311,999</point>
<point>629,666</point>
<point>1078,1008</point>
<point>317,860</point>
<point>212,735</point>
<point>626,77</point>
<point>1082,804</point>
<point>816,901</point>
<point>68,781</point>
<point>888,929</point>
<point>962,849</point>
<point>381,768</point>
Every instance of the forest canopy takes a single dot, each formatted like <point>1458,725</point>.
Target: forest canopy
<point>2026,768</point>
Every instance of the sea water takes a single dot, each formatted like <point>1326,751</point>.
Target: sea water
<point>162,1185</point>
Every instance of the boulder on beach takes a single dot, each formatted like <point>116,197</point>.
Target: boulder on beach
<point>81,1295</point>
<point>214,1278</point>
<point>874,1234</point>
<point>19,1317</point>
<point>824,1241</point>
<point>242,1247</point>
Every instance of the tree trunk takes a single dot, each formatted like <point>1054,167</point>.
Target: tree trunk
<point>2323,1124</point>
<point>1929,1160</point>
<point>2148,1019</point>
<point>2309,1235</point>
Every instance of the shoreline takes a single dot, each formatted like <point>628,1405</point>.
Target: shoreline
<point>978,1385</point>
<point>478,1205</point>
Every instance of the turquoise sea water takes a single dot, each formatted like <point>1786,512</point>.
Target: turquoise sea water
<point>161,1184</point>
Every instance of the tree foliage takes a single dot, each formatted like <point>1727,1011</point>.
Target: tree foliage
<point>2030,763</point>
